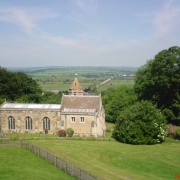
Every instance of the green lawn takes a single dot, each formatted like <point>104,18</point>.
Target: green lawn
<point>18,163</point>
<point>114,160</point>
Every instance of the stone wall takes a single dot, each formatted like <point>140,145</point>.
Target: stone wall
<point>37,117</point>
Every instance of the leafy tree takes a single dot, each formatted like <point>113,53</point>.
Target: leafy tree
<point>51,98</point>
<point>17,86</point>
<point>159,81</point>
<point>116,100</point>
<point>141,123</point>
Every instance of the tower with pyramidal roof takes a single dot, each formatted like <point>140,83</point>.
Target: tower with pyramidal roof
<point>76,88</point>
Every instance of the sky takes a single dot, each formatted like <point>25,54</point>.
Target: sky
<point>86,32</point>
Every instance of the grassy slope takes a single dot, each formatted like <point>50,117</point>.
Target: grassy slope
<point>113,160</point>
<point>18,163</point>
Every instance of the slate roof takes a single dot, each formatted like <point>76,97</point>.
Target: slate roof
<point>71,103</point>
<point>7,105</point>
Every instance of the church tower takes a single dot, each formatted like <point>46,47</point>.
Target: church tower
<point>76,88</point>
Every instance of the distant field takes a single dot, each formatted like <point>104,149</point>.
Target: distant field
<point>61,78</point>
<point>50,86</point>
<point>111,160</point>
<point>18,163</point>
<point>116,83</point>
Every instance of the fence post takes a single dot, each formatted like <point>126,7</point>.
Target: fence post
<point>80,174</point>
<point>60,163</point>
<point>55,161</point>
<point>72,170</point>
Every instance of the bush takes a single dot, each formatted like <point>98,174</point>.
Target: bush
<point>108,130</point>
<point>141,123</point>
<point>62,133</point>
<point>70,132</point>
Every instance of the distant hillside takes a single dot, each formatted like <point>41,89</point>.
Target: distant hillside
<point>41,69</point>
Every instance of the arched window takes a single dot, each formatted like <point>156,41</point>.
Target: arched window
<point>11,122</point>
<point>46,123</point>
<point>28,123</point>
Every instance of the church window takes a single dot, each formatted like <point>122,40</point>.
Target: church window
<point>28,123</point>
<point>11,122</point>
<point>82,119</point>
<point>73,119</point>
<point>46,123</point>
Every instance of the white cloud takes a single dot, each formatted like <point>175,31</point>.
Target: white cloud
<point>167,19</point>
<point>85,45</point>
<point>163,20</point>
<point>87,5</point>
<point>26,18</point>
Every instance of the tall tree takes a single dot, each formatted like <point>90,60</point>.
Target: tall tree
<point>116,100</point>
<point>17,86</point>
<point>159,81</point>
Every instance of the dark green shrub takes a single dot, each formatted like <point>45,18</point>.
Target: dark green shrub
<point>62,133</point>
<point>70,132</point>
<point>108,130</point>
<point>141,123</point>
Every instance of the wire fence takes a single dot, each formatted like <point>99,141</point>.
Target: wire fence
<point>58,162</point>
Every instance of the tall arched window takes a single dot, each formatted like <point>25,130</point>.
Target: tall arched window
<point>46,123</point>
<point>11,122</point>
<point>28,123</point>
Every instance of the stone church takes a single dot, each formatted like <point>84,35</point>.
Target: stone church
<point>79,111</point>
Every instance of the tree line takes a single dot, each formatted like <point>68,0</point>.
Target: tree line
<point>142,112</point>
<point>19,87</point>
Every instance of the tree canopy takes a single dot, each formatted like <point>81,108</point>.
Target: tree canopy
<point>116,100</point>
<point>141,123</point>
<point>17,86</point>
<point>159,81</point>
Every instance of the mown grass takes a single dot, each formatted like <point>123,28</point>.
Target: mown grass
<point>18,163</point>
<point>114,160</point>
<point>26,135</point>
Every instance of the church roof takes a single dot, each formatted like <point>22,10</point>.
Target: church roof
<point>7,105</point>
<point>77,103</point>
<point>76,84</point>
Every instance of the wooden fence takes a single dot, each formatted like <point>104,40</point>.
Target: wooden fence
<point>58,162</point>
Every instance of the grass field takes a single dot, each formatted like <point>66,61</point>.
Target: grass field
<point>112,160</point>
<point>18,163</point>
<point>115,83</point>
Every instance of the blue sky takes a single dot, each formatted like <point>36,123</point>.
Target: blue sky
<point>86,32</point>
